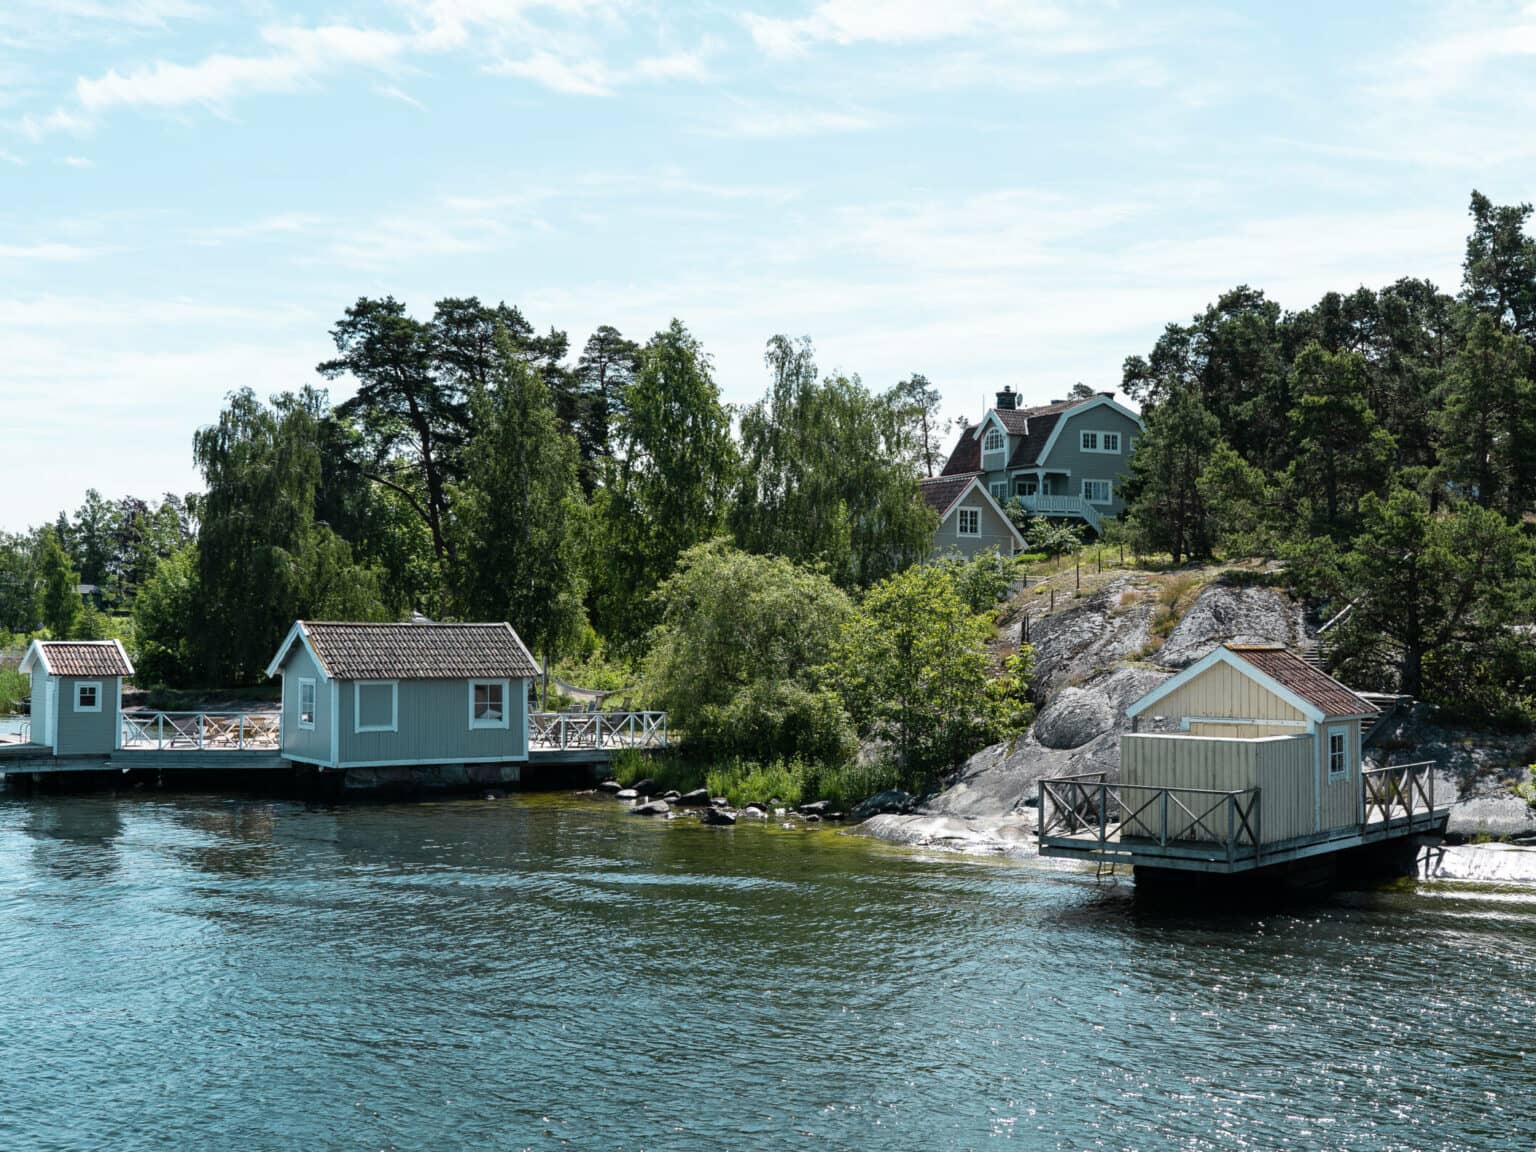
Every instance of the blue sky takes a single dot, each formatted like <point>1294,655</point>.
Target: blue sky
<point>988,192</point>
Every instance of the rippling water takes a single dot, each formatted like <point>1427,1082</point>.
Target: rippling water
<point>208,972</point>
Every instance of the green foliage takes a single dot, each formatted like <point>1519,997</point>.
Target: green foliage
<point>985,579</point>
<point>735,658</point>
<point>60,601</point>
<point>844,785</point>
<point>1526,789</point>
<point>516,509</point>
<point>826,475</point>
<point>1044,537</point>
<point>14,688</point>
<point>162,653</point>
<point>1488,424</point>
<point>913,668</point>
<point>1167,509</point>
<point>748,782</point>
<point>669,487</point>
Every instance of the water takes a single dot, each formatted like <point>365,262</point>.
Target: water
<point>206,972</point>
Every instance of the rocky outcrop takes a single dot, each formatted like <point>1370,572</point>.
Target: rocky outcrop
<point>1223,613</point>
<point>1075,717</point>
<point>1092,636</point>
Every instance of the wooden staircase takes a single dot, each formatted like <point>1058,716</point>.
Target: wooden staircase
<point>1316,652</point>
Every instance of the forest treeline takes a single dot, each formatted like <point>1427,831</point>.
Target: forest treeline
<point>1381,442</point>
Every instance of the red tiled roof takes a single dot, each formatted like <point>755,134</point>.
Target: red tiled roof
<point>1318,688</point>
<point>419,651</point>
<point>941,492</point>
<point>84,658</point>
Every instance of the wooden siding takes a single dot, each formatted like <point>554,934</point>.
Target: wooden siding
<point>1341,796</point>
<point>302,742</point>
<point>83,732</point>
<point>1177,761</point>
<point>1067,454</point>
<point>1219,692</point>
<point>994,530</point>
<point>1285,776</point>
<point>433,726</point>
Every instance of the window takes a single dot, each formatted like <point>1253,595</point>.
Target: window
<point>1101,442</point>
<point>374,704</point>
<point>307,704</point>
<point>1026,485</point>
<point>1338,752</point>
<point>992,441</point>
<point>999,490</point>
<point>969,522</point>
<point>488,701</point>
<point>88,696</point>
<point>1098,491</point>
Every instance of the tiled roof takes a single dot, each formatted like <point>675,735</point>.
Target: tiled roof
<point>84,658</point>
<point>418,651</point>
<point>941,492</point>
<point>1316,687</point>
<point>1033,424</point>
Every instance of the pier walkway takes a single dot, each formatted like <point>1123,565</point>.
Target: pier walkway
<point>252,741</point>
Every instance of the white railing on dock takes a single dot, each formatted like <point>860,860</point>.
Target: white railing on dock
<point>1397,793</point>
<point>1045,505</point>
<point>565,731</point>
<point>1090,807</point>
<point>204,731</point>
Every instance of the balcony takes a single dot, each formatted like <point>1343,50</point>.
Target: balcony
<point>1061,506</point>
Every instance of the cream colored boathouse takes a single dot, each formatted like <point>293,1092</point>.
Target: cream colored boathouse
<point>1249,757</point>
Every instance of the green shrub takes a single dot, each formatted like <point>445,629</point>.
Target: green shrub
<point>776,722</point>
<point>845,786</point>
<point>670,771</point>
<point>744,782</point>
<point>14,687</point>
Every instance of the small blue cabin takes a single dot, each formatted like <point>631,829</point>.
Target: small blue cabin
<point>385,695</point>
<point>77,695</point>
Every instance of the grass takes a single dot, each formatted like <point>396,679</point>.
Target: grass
<point>742,782</point>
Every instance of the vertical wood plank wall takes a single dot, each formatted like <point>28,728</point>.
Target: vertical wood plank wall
<point>1176,761</point>
<point>1286,773</point>
<point>1222,691</point>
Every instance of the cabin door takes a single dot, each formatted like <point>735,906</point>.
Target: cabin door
<point>51,721</point>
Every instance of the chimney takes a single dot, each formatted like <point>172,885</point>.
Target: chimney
<point>1007,399</point>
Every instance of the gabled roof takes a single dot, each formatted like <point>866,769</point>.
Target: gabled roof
<point>943,493</point>
<point>1313,693</point>
<point>78,658</point>
<point>1035,428</point>
<point>348,651</point>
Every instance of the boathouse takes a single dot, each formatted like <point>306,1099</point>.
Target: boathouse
<point>394,695</point>
<point>1247,758</point>
<point>77,695</point>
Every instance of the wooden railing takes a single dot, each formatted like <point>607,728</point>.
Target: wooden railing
<point>206,731</point>
<point>1397,793</point>
<point>1061,506</point>
<point>1229,822</point>
<point>562,731</point>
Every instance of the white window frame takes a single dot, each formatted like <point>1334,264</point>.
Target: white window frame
<point>999,490</point>
<point>358,726</point>
<point>1020,482</point>
<point>1100,441</point>
<point>1109,491</point>
<point>506,704</point>
<point>960,517</point>
<point>1342,732</point>
<point>93,685</point>
<point>986,440</point>
<point>314,703</point>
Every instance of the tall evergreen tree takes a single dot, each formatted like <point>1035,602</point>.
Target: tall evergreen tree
<point>1500,266</point>
<point>1166,507</point>
<point>1340,453</point>
<point>604,372</point>
<point>920,432</point>
<point>516,509</point>
<point>1488,423</point>
<point>60,601</point>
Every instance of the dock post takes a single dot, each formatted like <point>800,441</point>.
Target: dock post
<point>1163,836</point>
<point>241,744</point>
<point>202,720</point>
<point>160,732</point>
<point>1231,826</point>
<point>1103,811</point>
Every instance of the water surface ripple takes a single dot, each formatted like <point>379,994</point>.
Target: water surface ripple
<point>211,972</point>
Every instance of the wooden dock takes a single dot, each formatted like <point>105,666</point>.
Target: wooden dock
<point>1205,830</point>
<point>251,742</point>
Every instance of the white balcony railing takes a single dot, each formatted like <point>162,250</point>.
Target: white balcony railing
<point>1061,506</point>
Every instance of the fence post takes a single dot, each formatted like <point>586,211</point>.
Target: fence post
<point>202,720</point>
<point>1231,825</point>
<point>160,731</point>
<point>1164,842</point>
<point>1103,811</point>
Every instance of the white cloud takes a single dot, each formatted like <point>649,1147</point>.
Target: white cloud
<point>395,93</point>
<point>783,123</point>
<point>298,55</point>
<point>48,252</point>
<point>846,22</point>
<point>76,162</point>
<point>279,224</point>
<point>576,77</point>
<point>11,158</point>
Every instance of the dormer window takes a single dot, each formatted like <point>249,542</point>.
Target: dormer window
<point>992,441</point>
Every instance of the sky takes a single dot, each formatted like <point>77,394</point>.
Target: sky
<point>989,192</point>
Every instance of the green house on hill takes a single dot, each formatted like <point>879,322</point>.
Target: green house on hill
<point>1063,459</point>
